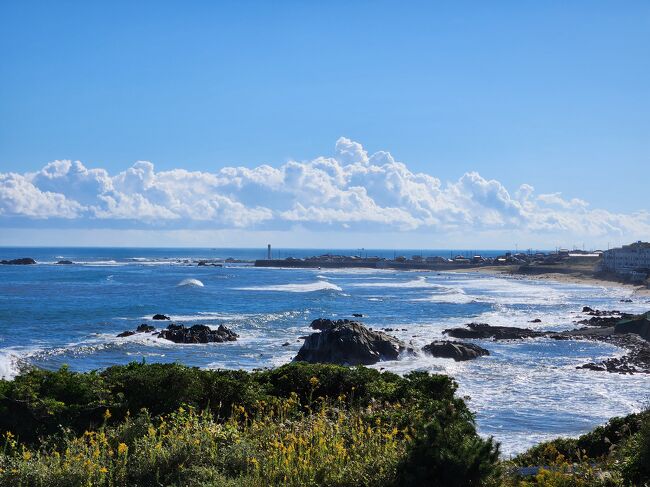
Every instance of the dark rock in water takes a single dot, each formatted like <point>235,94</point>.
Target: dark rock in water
<point>198,334</point>
<point>604,318</point>
<point>349,343</point>
<point>536,320</point>
<point>23,261</point>
<point>587,309</point>
<point>286,344</point>
<point>602,321</point>
<point>357,315</point>
<point>457,350</point>
<point>160,317</point>
<point>592,366</point>
<point>483,330</point>
<point>626,301</point>
<point>143,328</point>
<point>65,262</point>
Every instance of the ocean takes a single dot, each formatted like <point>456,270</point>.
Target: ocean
<point>523,393</point>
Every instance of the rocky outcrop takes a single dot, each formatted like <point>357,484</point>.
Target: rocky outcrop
<point>23,261</point>
<point>160,317</point>
<point>183,334</point>
<point>603,318</point>
<point>637,359</point>
<point>198,334</point>
<point>143,328</point>
<point>459,351</point>
<point>348,343</point>
<point>484,331</point>
<point>65,262</point>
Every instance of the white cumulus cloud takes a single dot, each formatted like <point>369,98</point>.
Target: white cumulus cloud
<point>352,190</point>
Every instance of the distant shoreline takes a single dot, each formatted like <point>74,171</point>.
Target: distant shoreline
<point>567,276</point>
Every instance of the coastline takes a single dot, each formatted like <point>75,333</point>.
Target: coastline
<point>567,278</point>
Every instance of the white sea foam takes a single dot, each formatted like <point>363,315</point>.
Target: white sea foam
<point>8,365</point>
<point>453,296</point>
<point>295,288</point>
<point>420,282</point>
<point>100,263</point>
<point>190,283</point>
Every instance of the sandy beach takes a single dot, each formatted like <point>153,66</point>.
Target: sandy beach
<point>571,278</point>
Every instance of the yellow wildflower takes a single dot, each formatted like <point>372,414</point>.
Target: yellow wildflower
<point>122,449</point>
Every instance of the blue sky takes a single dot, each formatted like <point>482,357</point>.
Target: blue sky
<point>555,95</point>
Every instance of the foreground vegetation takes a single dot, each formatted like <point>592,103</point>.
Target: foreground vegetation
<point>297,425</point>
<point>616,454</point>
<point>301,424</point>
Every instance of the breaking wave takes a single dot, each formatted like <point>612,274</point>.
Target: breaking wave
<point>420,282</point>
<point>190,283</point>
<point>295,288</point>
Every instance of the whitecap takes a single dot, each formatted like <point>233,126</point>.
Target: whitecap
<point>420,282</point>
<point>295,288</point>
<point>101,263</point>
<point>190,283</point>
<point>449,298</point>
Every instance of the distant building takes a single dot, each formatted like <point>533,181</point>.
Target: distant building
<point>629,258</point>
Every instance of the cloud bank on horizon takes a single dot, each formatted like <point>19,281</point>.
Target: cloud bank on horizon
<point>352,191</point>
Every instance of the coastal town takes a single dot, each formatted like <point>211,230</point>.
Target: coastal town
<point>629,263</point>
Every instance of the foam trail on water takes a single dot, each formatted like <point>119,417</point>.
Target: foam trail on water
<point>420,282</point>
<point>190,283</point>
<point>295,288</point>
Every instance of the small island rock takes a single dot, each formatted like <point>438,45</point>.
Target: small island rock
<point>483,330</point>
<point>198,334</point>
<point>459,351</point>
<point>348,343</point>
<point>23,261</point>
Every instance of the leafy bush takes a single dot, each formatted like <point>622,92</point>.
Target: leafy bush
<point>299,424</point>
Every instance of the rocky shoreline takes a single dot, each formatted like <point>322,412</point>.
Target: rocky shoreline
<point>351,343</point>
<point>348,342</point>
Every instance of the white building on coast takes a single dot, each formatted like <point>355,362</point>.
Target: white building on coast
<point>634,257</point>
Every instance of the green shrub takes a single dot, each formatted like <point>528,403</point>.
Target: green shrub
<point>299,424</point>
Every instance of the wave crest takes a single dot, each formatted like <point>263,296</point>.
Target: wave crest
<point>190,283</point>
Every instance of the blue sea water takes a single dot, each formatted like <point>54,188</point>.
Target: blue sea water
<point>524,392</point>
